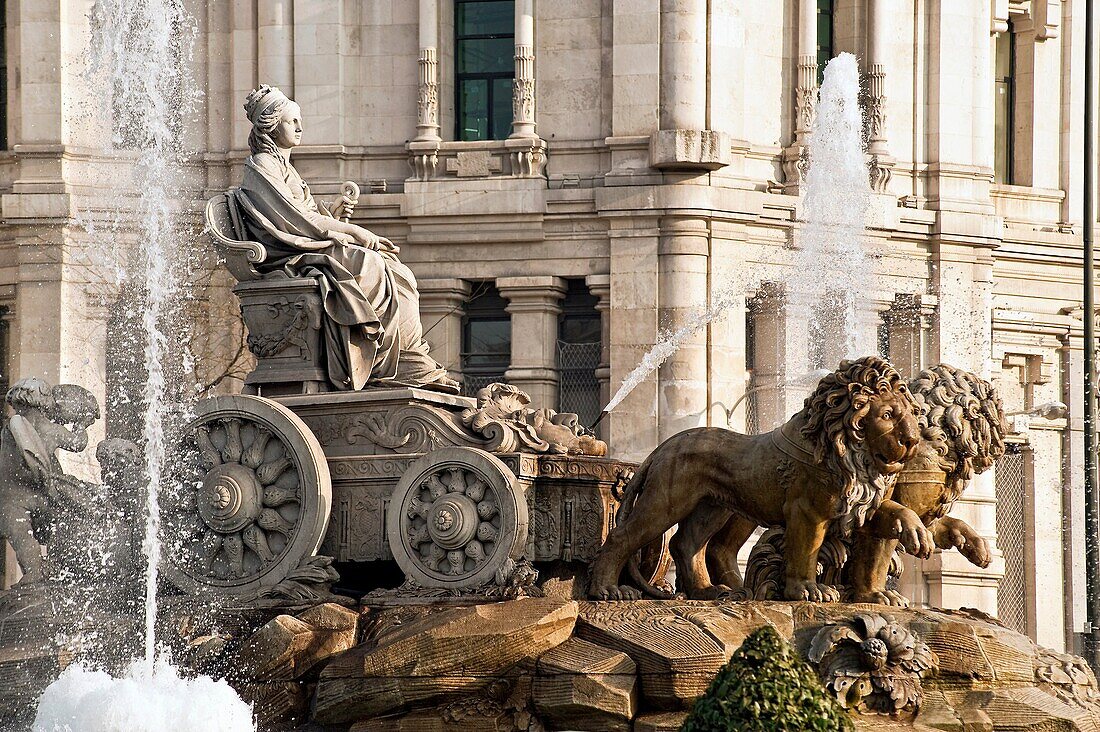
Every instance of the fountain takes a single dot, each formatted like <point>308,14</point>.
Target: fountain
<point>472,531</point>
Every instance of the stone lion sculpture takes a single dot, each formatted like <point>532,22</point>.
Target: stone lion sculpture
<point>962,425</point>
<point>32,482</point>
<point>834,461</point>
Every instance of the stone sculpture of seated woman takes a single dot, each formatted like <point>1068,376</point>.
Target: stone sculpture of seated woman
<point>372,330</point>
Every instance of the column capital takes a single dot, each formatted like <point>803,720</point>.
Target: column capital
<point>600,287</point>
<point>442,294</point>
<point>532,294</point>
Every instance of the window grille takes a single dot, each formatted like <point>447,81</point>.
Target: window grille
<point>1011,534</point>
<point>752,413</point>
<point>485,67</point>
<point>579,388</point>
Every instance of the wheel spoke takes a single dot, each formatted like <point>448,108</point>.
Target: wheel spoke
<point>475,491</point>
<point>487,509</point>
<point>475,551</point>
<point>418,536</point>
<point>268,473</point>
<point>254,456</point>
<point>255,540</point>
<point>486,531</point>
<point>211,457</point>
<point>456,481</point>
<point>211,545</point>
<point>234,551</point>
<point>275,496</point>
<point>270,520</point>
<point>231,453</point>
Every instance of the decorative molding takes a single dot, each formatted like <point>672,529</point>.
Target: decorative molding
<point>805,97</point>
<point>427,98</point>
<point>523,91</point>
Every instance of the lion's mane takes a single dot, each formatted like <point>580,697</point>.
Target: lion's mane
<point>834,415</point>
<point>962,417</point>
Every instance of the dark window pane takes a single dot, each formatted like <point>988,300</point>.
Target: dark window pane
<point>488,342</point>
<point>486,56</point>
<point>484,18</point>
<point>502,108</point>
<point>473,109</point>
<point>825,6</point>
<point>580,330</point>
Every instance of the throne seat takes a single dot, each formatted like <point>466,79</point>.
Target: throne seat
<point>283,314</point>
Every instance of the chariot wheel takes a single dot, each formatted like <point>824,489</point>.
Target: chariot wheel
<point>455,517</point>
<point>247,499</point>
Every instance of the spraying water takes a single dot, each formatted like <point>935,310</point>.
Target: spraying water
<point>829,271</point>
<point>139,51</point>
<point>668,345</point>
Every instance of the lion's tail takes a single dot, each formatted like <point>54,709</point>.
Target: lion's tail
<point>630,496</point>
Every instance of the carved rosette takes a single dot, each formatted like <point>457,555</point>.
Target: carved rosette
<point>249,498</point>
<point>871,663</point>
<point>456,518</point>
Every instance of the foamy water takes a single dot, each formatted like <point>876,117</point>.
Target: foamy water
<point>144,700</point>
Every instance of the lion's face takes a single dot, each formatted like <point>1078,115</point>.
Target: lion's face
<point>890,428</point>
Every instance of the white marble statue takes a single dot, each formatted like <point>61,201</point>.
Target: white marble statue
<point>372,329</point>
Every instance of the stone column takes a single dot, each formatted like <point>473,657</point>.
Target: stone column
<point>424,148</point>
<point>442,305</point>
<point>682,292</point>
<point>275,44</point>
<point>882,164</point>
<point>683,141</point>
<point>534,304</point>
<point>526,150</point>
<point>805,96</point>
<point>600,287</point>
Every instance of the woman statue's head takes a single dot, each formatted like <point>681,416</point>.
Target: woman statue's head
<point>276,120</point>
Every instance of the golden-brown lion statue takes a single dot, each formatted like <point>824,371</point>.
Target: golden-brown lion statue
<point>962,429</point>
<point>835,460</point>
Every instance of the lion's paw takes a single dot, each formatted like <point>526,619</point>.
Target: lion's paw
<point>616,592</point>
<point>886,597</point>
<point>811,591</point>
<point>976,550</point>
<point>712,592</point>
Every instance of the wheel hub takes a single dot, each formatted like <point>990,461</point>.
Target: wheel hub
<point>452,521</point>
<point>230,499</point>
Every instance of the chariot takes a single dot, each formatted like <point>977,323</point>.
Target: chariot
<point>455,490</point>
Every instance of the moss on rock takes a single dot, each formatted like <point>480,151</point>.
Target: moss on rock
<point>766,687</point>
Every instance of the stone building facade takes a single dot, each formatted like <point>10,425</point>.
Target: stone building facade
<point>569,179</point>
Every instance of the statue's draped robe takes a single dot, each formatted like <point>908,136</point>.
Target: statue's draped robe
<point>373,331</point>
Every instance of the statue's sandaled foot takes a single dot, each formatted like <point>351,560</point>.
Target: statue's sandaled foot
<point>615,592</point>
<point>445,385</point>
<point>811,591</point>
<point>886,597</point>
